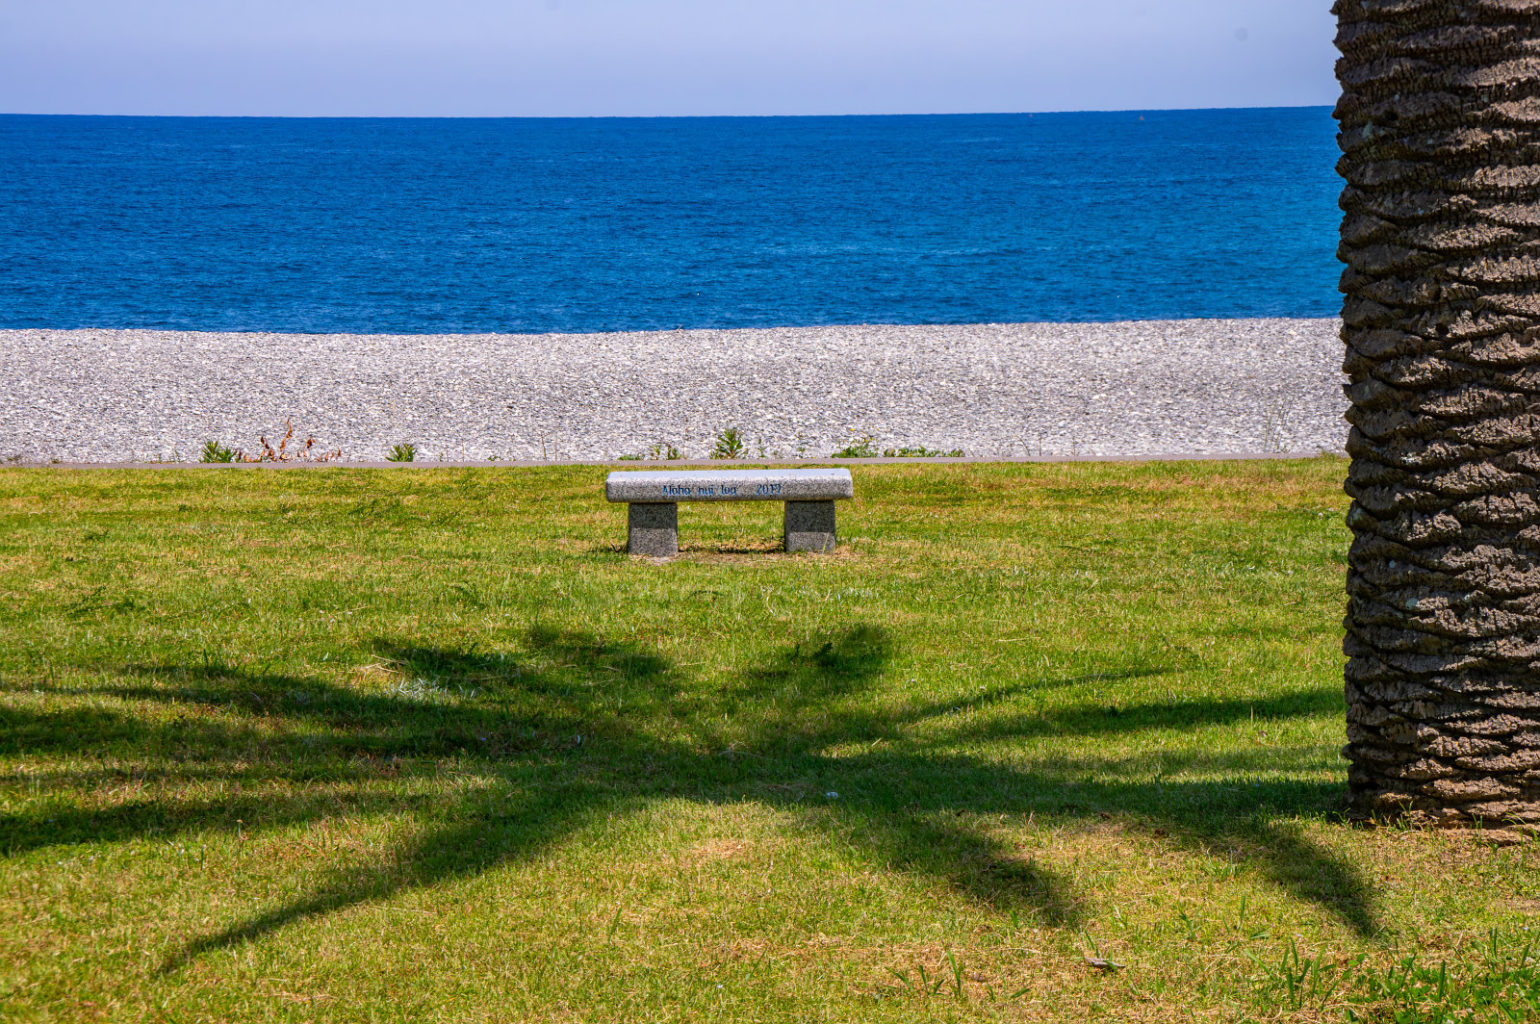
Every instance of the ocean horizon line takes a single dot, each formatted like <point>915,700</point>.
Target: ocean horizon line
<point>658,117</point>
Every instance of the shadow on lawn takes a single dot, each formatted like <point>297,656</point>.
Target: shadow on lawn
<point>577,727</point>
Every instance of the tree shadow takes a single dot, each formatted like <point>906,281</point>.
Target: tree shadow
<point>458,849</point>
<point>573,725</point>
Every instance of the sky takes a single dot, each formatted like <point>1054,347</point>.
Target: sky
<point>499,58</point>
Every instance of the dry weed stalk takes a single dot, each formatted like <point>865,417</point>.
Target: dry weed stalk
<point>282,453</point>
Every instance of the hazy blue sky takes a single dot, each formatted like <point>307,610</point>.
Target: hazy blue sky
<point>587,57</point>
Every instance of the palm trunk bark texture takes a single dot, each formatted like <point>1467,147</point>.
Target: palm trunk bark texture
<point>1440,139</point>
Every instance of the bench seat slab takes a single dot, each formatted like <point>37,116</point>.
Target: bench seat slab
<point>729,485</point>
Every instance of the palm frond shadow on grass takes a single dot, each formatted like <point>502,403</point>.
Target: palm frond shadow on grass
<point>553,752</point>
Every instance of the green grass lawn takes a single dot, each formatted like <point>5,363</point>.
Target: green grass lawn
<point>426,745</point>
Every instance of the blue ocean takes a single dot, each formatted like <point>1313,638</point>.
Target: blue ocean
<point>417,226</point>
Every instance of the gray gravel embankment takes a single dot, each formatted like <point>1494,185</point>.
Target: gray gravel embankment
<point>1005,390</point>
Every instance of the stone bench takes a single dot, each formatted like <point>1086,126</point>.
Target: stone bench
<point>653,496</point>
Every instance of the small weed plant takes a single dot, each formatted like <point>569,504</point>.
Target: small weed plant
<point>655,453</point>
<point>729,444</point>
<point>921,452</point>
<point>213,451</point>
<point>404,452</point>
<point>863,448</point>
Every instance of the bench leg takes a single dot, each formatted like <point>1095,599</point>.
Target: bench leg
<point>810,526</point>
<point>652,528</point>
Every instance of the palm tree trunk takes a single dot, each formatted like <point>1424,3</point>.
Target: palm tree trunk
<point>1440,135</point>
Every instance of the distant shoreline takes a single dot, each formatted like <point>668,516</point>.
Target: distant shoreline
<point>1118,389</point>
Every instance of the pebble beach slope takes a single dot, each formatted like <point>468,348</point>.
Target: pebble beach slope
<point>1183,387</point>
